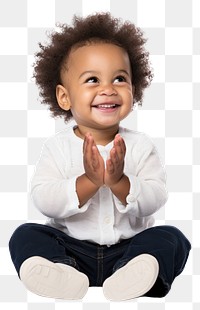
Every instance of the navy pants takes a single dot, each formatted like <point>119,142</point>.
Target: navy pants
<point>166,243</point>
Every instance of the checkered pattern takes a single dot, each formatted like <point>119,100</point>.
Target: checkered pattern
<point>170,115</point>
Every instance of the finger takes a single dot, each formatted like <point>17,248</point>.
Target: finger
<point>88,153</point>
<point>114,157</point>
<point>123,145</point>
<point>84,144</point>
<point>109,166</point>
<point>119,141</point>
<point>120,147</point>
<point>95,157</point>
<point>88,143</point>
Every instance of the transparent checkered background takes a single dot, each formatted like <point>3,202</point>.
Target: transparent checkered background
<point>170,115</point>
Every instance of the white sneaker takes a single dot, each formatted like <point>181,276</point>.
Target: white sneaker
<point>48,279</point>
<point>132,280</point>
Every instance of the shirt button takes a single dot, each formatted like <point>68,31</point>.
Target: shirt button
<point>131,199</point>
<point>107,220</point>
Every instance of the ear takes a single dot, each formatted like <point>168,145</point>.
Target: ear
<point>63,97</point>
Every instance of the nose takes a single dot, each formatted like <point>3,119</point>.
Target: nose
<point>107,90</point>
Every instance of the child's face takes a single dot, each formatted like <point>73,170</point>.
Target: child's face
<point>97,86</point>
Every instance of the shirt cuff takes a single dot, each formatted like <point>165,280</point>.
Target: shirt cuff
<point>131,199</point>
<point>73,201</point>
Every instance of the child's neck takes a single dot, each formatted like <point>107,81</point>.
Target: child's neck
<point>101,137</point>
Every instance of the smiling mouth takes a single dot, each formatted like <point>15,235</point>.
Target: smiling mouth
<point>106,106</point>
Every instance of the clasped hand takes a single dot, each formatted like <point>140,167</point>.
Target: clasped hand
<point>95,168</point>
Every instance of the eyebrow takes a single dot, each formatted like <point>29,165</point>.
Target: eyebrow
<point>88,72</point>
<point>97,72</point>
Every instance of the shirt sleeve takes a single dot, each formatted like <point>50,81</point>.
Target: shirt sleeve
<point>148,184</point>
<point>54,194</point>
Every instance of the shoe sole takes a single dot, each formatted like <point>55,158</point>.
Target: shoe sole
<point>133,280</point>
<point>48,279</point>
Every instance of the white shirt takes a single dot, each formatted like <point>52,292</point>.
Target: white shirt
<point>103,219</point>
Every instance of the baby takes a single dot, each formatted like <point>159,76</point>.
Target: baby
<point>99,184</point>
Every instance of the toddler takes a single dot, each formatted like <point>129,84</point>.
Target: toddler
<point>97,183</point>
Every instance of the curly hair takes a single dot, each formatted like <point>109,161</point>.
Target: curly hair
<point>98,27</point>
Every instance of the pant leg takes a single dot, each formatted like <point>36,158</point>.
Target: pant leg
<point>171,249</point>
<point>30,240</point>
<point>38,240</point>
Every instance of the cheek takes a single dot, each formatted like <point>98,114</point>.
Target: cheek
<point>129,97</point>
<point>87,94</point>
<point>83,95</point>
<point>129,103</point>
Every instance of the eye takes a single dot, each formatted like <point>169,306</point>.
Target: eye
<point>92,79</point>
<point>120,79</point>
